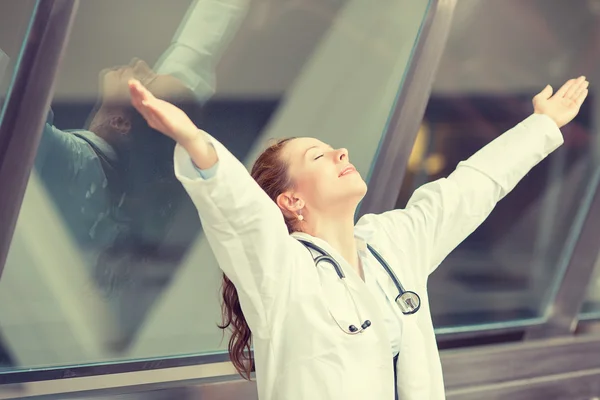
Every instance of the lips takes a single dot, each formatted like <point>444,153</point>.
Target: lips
<point>348,170</point>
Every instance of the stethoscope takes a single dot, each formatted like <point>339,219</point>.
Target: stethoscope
<point>409,302</point>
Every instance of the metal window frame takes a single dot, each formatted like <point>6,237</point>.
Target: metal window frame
<point>563,312</point>
<point>28,101</point>
<point>397,143</point>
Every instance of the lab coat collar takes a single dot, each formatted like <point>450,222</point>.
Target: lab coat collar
<point>353,279</point>
<point>362,234</point>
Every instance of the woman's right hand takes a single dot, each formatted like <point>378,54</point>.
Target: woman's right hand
<point>162,115</point>
<point>173,122</point>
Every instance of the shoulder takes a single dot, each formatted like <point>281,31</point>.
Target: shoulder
<point>385,223</point>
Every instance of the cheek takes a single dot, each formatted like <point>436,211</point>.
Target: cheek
<point>320,186</point>
<point>314,184</point>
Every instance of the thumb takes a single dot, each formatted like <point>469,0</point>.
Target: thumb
<point>546,93</point>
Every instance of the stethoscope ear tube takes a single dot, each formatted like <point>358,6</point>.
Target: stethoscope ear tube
<point>387,268</point>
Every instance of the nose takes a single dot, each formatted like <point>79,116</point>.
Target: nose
<point>342,154</point>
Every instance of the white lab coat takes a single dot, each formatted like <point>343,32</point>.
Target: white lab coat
<point>300,351</point>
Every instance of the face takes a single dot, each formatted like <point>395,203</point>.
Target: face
<point>324,179</point>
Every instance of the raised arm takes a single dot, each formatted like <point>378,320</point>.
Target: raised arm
<point>205,32</point>
<point>441,214</point>
<point>243,225</point>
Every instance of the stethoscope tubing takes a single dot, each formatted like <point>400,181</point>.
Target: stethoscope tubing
<point>326,257</point>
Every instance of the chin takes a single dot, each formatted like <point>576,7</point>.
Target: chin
<point>358,192</point>
<point>362,187</point>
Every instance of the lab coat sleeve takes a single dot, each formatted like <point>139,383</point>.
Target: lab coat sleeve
<point>441,214</point>
<point>245,230</point>
<point>205,32</point>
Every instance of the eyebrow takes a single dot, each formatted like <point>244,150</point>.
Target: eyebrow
<point>316,147</point>
<point>309,149</point>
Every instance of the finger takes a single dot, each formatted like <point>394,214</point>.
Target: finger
<point>157,115</point>
<point>138,90</point>
<point>581,98</point>
<point>154,113</point>
<point>138,105</point>
<point>146,111</point>
<point>142,107</point>
<point>570,94</point>
<point>136,94</point>
<point>563,90</point>
<point>580,89</point>
<point>139,95</point>
<point>545,94</point>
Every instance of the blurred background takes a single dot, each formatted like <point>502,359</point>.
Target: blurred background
<point>108,271</point>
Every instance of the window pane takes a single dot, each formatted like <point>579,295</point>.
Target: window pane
<point>14,21</point>
<point>108,260</point>
<point>499,55</point>
<point>591,307</point>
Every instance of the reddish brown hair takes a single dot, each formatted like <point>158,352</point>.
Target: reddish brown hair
<point>270,172</point>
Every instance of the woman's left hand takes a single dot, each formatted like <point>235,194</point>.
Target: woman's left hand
<point>565,104</point>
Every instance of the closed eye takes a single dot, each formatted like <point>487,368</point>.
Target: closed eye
<point>319,157</point>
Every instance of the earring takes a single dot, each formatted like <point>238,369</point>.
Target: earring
<point>300,217</point>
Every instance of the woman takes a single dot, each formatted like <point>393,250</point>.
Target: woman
<point>315,335</point>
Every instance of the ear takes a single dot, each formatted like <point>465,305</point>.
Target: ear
<point>120,124</point>
<point>290,203</point>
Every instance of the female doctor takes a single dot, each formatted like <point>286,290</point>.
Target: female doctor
<point>329,304</point>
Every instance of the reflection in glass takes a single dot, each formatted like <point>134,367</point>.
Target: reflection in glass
<point>108,261</point>
<point>505,273</point>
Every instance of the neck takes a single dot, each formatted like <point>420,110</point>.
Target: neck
<point>338,232</point>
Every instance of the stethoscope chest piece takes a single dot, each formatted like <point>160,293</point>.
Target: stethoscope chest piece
<point>409,302</point>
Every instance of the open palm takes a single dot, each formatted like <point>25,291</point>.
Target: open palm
<point>564,105</point>
<point>162,115</point>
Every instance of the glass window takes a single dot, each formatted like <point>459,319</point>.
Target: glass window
<point>498,56</point>
<point>591,306</point>
<point>15,22</point>
<point>108,261</point>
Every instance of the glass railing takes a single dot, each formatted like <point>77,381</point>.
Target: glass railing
<point>108,261</point>
<point>498,56</point>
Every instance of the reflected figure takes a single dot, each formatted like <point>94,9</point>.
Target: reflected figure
<point>114,186</point>
<point>100,176</point>
<point>113,182</point>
